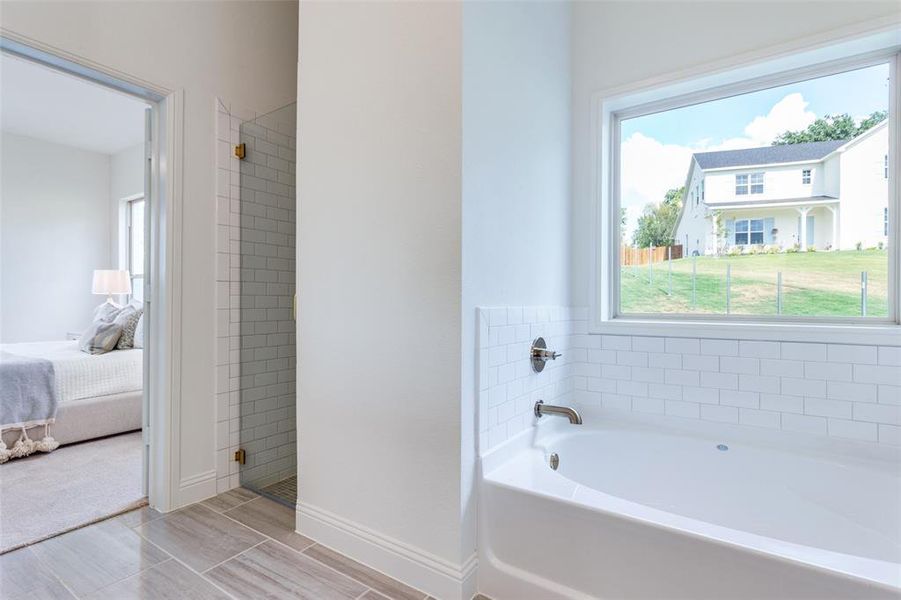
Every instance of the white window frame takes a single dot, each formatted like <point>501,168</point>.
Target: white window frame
<point>743,183</point>
<point>129,259</point>
<point>806,176</point>
<point>749,231</point>
<point>610,109</point>
<point>752,184</point>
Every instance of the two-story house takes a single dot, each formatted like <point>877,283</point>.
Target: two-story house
<point>826,195</point>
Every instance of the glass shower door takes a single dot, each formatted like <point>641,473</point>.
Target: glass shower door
<point>267,394</point>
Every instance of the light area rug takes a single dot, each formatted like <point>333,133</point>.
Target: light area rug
<point>47,494</point>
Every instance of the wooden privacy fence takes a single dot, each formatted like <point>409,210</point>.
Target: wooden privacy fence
<point>632,255</point>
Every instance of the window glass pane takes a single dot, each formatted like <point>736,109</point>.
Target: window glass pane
<point>726,214</point>
<point>136,238</point>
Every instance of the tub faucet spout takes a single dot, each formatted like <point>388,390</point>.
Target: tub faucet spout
<point>570,413</point>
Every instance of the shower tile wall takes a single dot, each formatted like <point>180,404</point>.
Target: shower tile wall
<point>255,279</point>
<point>267,272</point>
<point>843,391</point>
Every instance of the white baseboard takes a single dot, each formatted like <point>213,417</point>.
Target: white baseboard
<point>195,488</point>
<point>413,566</point>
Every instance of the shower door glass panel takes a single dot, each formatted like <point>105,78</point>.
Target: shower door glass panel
<point>267,394</point>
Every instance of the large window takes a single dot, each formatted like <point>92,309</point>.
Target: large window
<point>723,230</point>
<point>135,247</point>
<point>748,231</point>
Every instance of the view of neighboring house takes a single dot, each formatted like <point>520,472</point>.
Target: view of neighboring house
<point>822,195</point>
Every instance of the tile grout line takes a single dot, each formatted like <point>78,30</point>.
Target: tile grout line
<point>304,554</point>
<point>222,562</point>
<point>52,572</point>
<point>117,580</point>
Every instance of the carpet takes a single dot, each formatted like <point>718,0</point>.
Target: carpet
<point>47,494</point>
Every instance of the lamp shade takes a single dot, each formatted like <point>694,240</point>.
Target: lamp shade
<point>108,282</point>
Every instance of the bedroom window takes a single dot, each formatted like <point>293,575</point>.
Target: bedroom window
<point>135,247</point>
<point>665,268</point>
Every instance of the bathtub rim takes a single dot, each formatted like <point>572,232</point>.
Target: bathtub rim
<point>504,465</point>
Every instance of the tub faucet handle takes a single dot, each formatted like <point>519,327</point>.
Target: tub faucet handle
<point>539,354</point>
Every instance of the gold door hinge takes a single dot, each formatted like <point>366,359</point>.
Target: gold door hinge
<point>240,456</point>
<point>240,151</point>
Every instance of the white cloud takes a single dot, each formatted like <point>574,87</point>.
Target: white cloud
<point>651,167</point>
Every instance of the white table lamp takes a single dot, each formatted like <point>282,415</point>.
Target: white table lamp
<point>110,282</point>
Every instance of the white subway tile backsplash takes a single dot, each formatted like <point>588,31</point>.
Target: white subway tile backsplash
<point>851,392</point>
<point>759,349</point>
<point>852,354</point>
<point>719,347</point>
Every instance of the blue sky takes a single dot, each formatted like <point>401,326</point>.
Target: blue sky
<point>656,149</point>
<point>857,93</point>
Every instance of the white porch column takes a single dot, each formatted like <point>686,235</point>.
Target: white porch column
<point>835,241</point>
<point>802,235</point>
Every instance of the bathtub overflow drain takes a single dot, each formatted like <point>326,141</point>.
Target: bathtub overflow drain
<point>722,447</point>
<point>554,461</point>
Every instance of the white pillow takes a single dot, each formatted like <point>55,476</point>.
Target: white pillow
<point>139,333</point>
<point>100,337</point>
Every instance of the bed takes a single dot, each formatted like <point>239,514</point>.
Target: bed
<point>98,394</point>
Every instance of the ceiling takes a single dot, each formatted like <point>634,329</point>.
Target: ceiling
<point>42,103</point>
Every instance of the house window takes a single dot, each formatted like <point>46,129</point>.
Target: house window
<point>748,232</point>
<point>781,275</point>
<point>756,183</point>
<point>134,246</point>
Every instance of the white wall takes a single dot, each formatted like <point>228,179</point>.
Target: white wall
<point>379,274</point>
<point>516,173</point>
<point>244,51</point>
<point>615,44</point>
<point>864,191</point>
<point>54,231</point>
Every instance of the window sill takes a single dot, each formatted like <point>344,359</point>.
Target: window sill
<point>881,333</point>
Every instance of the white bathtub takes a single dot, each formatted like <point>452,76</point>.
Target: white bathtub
<point>640,508</point>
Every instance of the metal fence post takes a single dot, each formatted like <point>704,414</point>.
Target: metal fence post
<point>669,265</point>
<point>694,281</point>
<point>863,293</point>
<point>728,288</point>
<point>779,293</point>
<point>650,265</point>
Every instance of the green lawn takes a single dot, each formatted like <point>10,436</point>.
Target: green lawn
<point>813,284</point>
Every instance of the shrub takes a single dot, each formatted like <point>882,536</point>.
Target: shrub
<point>793,248</point>
<point>811,248</point>
<point>735,250</point>
<point>771,249</point>
<point>858,245</point>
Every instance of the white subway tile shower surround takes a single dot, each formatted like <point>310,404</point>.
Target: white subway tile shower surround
<point>845,391</point>
<point>255,354</point>
<point>508,387</point>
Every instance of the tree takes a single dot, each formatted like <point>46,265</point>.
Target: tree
<point>657,222</point>
<point>831,127</point>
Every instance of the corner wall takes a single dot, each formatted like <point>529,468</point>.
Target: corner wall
<point>379,283</point>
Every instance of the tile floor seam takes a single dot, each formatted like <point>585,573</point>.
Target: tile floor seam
<point>51,571</point>
<point>207,579</point>
<point>118,581</point>
<point>303,553</point>
<point>235,556</point>
<point>138,572</point>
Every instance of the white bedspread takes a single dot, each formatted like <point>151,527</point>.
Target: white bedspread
<point>80,375</point>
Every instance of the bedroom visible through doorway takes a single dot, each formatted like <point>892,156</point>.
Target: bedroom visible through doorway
<point>74,258</point>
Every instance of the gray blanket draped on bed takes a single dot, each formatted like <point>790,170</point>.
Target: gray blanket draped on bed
<point>27,399</point>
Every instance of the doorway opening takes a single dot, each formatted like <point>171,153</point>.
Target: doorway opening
<point>76,247</point>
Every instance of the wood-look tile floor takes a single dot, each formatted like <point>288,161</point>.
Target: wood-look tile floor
<point>235,546</point>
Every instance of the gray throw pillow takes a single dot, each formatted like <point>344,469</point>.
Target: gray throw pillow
<point>129,325</point>
<point>139,333</point>
<point>100,337</point>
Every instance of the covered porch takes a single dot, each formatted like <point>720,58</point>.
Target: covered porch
<point>809,223</point>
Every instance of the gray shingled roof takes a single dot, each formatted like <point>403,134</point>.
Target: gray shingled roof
<point>767,155</point>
